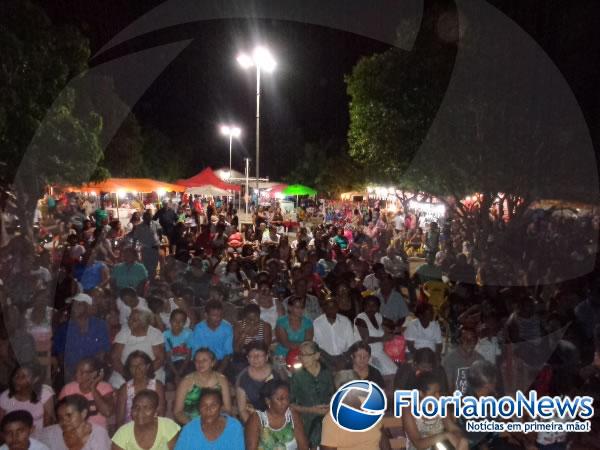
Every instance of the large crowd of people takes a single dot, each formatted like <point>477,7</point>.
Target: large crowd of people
<point>184,329</point>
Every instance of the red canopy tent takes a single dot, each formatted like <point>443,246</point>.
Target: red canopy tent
<point>277,189</point>
<point>208,177</point>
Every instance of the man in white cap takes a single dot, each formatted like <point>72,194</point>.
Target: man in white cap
<point>82,336</point>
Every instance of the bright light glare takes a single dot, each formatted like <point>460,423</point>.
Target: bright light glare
<point>121,193</point>
<point>230,130</point>
<point>161,192</point>
<point>245,60</point>
<point>263,58</point>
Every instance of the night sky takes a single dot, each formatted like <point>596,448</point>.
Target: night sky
<point>305,99</point>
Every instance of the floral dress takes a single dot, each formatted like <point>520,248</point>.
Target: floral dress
<point>192,401</point>
<point>280,439</point>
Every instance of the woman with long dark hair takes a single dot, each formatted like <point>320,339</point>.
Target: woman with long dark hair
<point>27,392</point>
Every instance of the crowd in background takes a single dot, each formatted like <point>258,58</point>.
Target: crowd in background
<point>185,329</point>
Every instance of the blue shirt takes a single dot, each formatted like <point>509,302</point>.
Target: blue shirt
<point>177,345</point>
<point>75,345</point>
<point>192,437</point>
<point>220,341</point>
<point>89,276</point>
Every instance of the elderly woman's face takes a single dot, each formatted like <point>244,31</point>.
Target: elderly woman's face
<point>210,407</point>
<point>257,358</point>
<point>69,418</point>
<point>143,411</point>
<point>136,322</point>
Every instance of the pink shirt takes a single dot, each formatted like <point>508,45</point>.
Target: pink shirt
<point>9,404</point>
<point>94,414</point>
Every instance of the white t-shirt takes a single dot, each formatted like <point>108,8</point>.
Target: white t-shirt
<point>423,337</point>
<point>132,343</point>
<point>125,311</point>
<point>399,222</point>
<point>371,283</point>
<point>489,348</point>
<point>143,343</point>
<point>334,338</point>
<point>34,444</point>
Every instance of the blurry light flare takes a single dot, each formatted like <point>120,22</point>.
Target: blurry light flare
<point>230,130</point>
<point>245,60</point>
<point>261,57</point>
<point>121,193</point>
<point>161,192</point>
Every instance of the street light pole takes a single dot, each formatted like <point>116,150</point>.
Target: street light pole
<point>230,142</point>
<point>257,131</point>
<point>231,131</point>
<point>262,59</point>
<point>247,181</point>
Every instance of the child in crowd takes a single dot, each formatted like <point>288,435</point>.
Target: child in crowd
<point>16,428</point>
<point>176,346</point>
<point>426,433</point>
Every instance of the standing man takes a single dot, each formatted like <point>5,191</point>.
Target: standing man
<point>83,336</point>
<point>147,234</point>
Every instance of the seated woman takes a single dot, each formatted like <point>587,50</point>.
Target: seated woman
<point>270,307</point>
<point>73,431</point>
<point>189,391</point>
<point>251,328</point>
<point>251,380</point>
<point>360,353</point>
<point>425,433</point>
<point>293,328</point>
<point>424,360</point>
<point>148,430</point>
<point>311,389</point>
<point>27,392</point>
<point>139,373</point>
<point>139,335</point>
<point>370,326</point>
<point>277,426</point>
<point>89,383</point>
<point>212,430</point>
<point>334,437</point>
<point>235,281</point>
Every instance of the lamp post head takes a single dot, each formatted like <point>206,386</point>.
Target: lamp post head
<point>261,58</point>
<point>230,131</point>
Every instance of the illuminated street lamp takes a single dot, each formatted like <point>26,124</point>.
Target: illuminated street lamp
<point>231,132</point>
<point>262,59</point>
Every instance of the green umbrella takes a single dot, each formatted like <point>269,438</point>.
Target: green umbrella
<point>299,189</point>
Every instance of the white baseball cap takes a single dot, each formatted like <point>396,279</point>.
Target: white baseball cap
<point>84,298</point>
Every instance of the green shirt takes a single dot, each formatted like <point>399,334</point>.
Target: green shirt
<point>126,275</point>
<point>307,390</point>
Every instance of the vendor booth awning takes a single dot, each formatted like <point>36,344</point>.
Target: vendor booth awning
<point>207,190</point>
<point>299,189</point>
<point>131,185</point>
<point>208,178</point>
